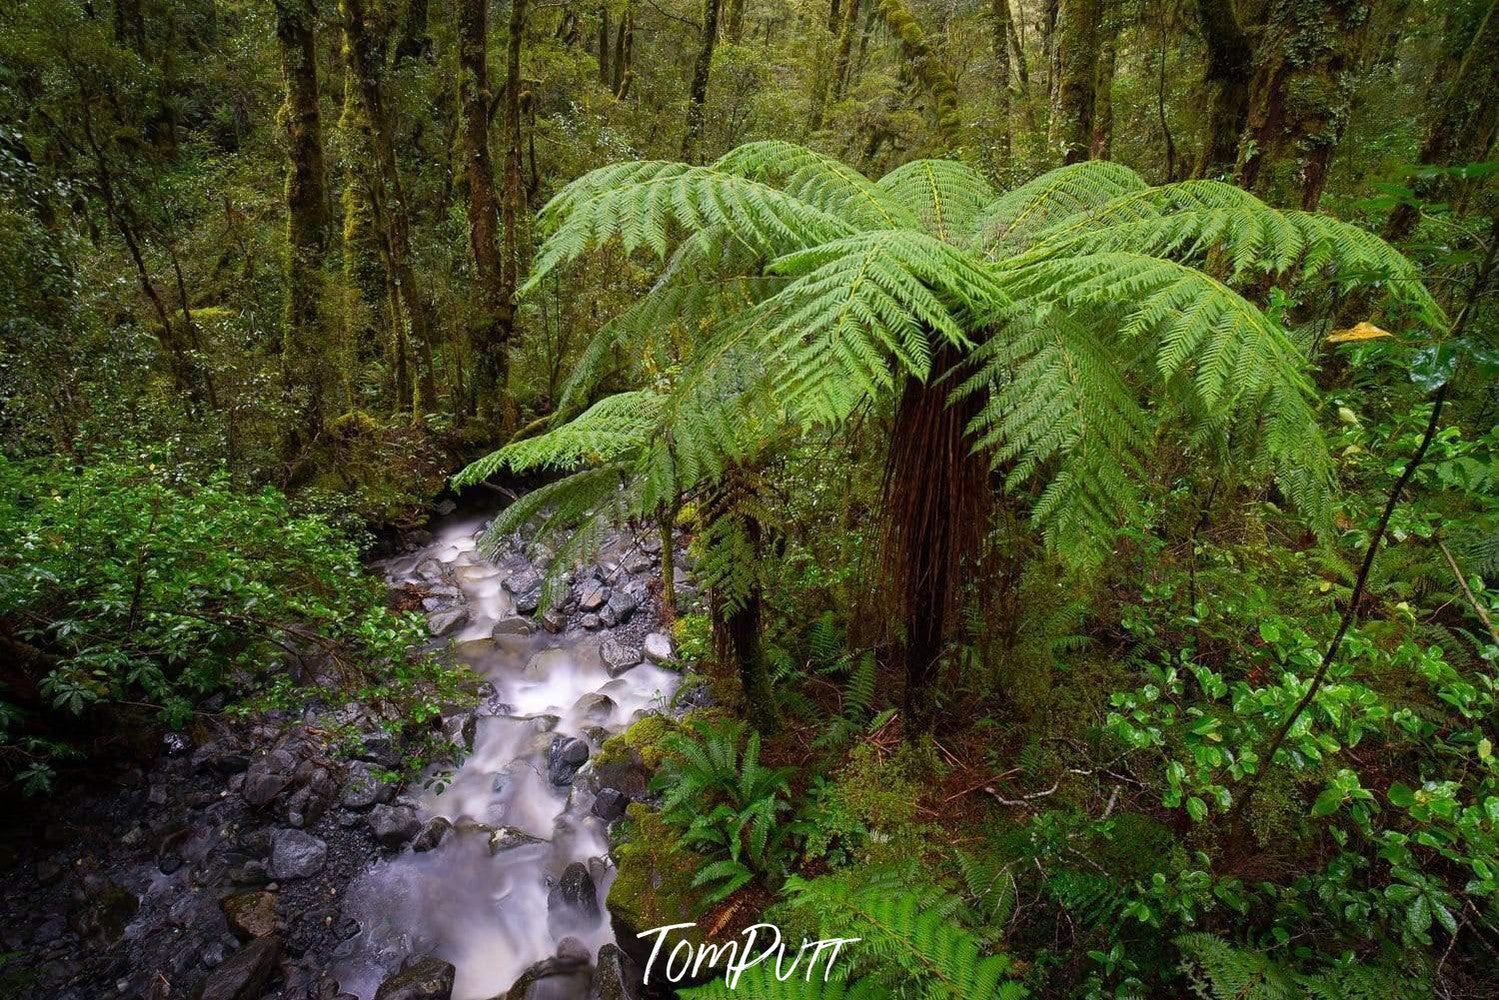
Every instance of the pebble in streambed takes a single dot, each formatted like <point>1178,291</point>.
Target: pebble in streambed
<point>516,868</point>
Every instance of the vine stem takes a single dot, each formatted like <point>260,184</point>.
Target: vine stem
<point>1350,611</point>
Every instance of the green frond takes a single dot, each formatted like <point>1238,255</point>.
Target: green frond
<point>1013,221</point>
<point>823,182</point>
<point>642,204</point>
<point>1221,971</point>
<point>564,505</point>
<point>944,195</point>
<point>613,428</point>
<point>762,983</point>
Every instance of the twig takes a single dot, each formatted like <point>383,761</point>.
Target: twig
<point>1462,582</point>
<point>981,784</point>
<point>1024,799</point>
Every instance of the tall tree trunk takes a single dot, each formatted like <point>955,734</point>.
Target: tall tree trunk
<point>1077,59</point>
<point>624,45</point>
<point>929,68</point>
<point>697,94</point>
<point>305,361</point>
<point>604,42</point>
<point>514,198</point>
<point>415,43</point>
<point>1001,28</point>
<point>1103,98</point>
<point>390,202</point>
<point>1299,95</point>
<point>845,48</point>
<point>1230,63</point>
<point>1051,10</point>
<point>935,494</point>
<point>491,336</point>
<point>1465,116</point>
<point>736,20</point>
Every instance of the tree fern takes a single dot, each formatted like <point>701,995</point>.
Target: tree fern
<point>1220,971</point>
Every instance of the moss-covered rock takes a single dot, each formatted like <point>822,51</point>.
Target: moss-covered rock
<point>653,885</point>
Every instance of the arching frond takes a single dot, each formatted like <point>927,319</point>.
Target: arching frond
<point>944,195</point>
<point>1012,221</point>
<point>821,181</point>
<point>639,204</point>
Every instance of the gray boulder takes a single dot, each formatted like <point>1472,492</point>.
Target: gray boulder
<point>431,834</point>
<point>445,622</point>
<point>564,757</point>
<point>245,974</point>
<point>424,979</point>
<point>620,606</point>
<point>296,854</point>
<point>657,647</point>
<point>393,826</point>
<point>617,657</point>
<point>617,977</point>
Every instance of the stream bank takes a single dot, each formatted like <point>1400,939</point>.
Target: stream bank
<point>250,861</point>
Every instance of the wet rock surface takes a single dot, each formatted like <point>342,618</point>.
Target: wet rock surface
<point>221,866</point>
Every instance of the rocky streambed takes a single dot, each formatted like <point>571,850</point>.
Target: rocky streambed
<point>252,861</point>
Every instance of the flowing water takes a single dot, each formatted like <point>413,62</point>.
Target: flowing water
<point>480,899</point>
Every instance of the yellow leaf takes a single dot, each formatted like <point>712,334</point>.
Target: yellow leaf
<point>1359,331</point>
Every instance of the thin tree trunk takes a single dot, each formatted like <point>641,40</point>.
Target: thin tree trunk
<point>391,201</point>
<point>604,40</point>
<point>736,20</point>
<point>304,356</point>
<point>1229,67</point>
<point>415,43</point>
<point>491,336</point>
<point>513,203</point>
<point>1160,101</point>
<point>1001,29</point>
<point>1077,59</point>
<point>697,94</point>
<point>1470,102</point>
<point>845,48</point>
<point>1299,95</point>
<point>624,51</point>
<point>1103,98</point>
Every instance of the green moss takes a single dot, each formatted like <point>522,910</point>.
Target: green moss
<point>653,886</point>
<point>643,738</point>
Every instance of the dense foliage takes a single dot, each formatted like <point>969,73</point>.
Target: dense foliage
<point>1081,415</point>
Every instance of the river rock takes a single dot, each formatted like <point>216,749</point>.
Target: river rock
<point>263,782</point>
<point>616,976</point>
<point>245,974</point>
<point>379,747</point>
<point>431,834</point>
<point>514,625</point>
<point>296,854</point>
<point>577,891</point>
<point>594,707</point>
<point>425,979</point>
<point>564,757</point>
<point>528,602</point>
<point>593,595</point>
<point>393,826</point>
<point>555,978</point>
<point>251,914</point>
<point>107,909</point>
<point>657,647</point>
<point>620,606</point>
<point>363,788</point>
<point>443,622</point>
<point>554,620</point>
<point>639,563</point>
<point>522,581</point>
<point>617,656</point>
<point>508,837</point>
<point>609,805</point>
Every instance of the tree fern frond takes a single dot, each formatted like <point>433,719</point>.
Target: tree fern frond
<point>1011,222</point>
<point>762,983</point>
<point>823,182</point>
<point>638,204</point>
<point>944,195</point>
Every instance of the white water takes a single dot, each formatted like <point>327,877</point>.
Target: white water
<point>487,912</point>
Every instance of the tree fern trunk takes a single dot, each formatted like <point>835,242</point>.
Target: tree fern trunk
<point>935,494</point>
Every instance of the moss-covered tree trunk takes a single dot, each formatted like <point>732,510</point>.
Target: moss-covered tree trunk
<point>491,334</point>
<point>513,202</point>
<point>1299,97</point>
<point>624,53</point>
<point>1466,114</point>
<point>1230,62</point>
<point>1077,61</point>
<point>390,201</point>
<point>305,362</point>
<point>1102,145</point>
<point>929,68</point>
<point>697,94</point>
<point>1000,30</point>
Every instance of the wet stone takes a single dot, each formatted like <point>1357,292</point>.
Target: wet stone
<point>617,657</point>
<point>609,804</point>
<point>424,979</point>
<point>514,625</point>
<point>251,914</point>
<point>564,757</point>
<point>446,622</point>
<point>657,647</point>
<point>593,595</point>
<point>431,835</point>
<point>523,581</point>
<point>245,974</point>
<point>296,854</point>
<point>393,826</point>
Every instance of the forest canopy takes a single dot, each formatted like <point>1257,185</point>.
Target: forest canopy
<point>1066,431</point>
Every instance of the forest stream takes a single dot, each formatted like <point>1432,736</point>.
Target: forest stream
<point>526,866</point>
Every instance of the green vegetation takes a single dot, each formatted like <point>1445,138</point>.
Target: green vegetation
<point>1074,421</point>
